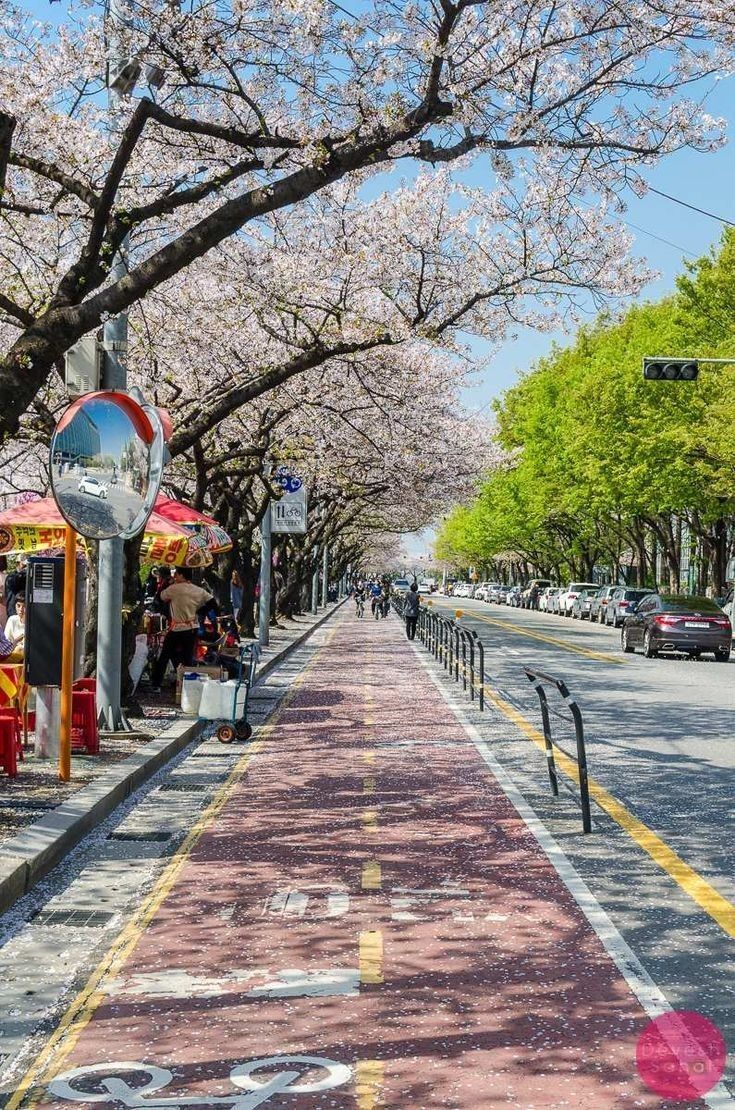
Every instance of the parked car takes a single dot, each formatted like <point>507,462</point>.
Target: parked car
<point>582,605</point>
<point>500,595</point>
<point>539,584</point>
<point>94,487</point>
<point>691,625</point>
<point>599,603</point>
<point>620,602</point>
<point>482,589</point>
<point>513,597</point>
<point>568,596</point>
<point>544,602</point>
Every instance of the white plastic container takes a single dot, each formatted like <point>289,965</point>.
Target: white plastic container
<point>210,706</point>
<point>192,688</point>
<point>230,710</point>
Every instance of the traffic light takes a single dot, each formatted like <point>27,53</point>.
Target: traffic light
<point>670,369</point>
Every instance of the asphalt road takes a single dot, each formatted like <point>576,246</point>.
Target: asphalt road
<point>660,732</point>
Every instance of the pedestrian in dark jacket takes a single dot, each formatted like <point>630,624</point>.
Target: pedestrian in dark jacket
<point>411,610</point>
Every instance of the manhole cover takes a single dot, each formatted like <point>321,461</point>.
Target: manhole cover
<point>92,919</point>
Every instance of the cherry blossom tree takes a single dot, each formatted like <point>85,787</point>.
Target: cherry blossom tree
<point>268,103</point>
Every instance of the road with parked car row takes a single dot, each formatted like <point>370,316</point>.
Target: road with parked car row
<point>659,731</point>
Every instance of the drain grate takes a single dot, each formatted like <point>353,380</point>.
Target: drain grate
<point>189,787</point>
<point>221,754</point>
<point>159,835</point>
<point>91,919</point>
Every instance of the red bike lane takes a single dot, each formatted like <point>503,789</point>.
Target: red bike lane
<point>367,922</point>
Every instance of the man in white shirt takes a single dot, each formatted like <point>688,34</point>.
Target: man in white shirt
<point>185,599</point>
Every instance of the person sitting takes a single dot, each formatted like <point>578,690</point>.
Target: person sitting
<point>15,630</point>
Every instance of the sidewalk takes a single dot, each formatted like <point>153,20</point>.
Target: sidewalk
<point>36,808</point>
<point>362,919</point>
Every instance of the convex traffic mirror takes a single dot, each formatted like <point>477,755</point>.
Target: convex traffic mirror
<point>106,462</point>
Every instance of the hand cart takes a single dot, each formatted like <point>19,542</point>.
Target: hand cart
<point>236,726</point>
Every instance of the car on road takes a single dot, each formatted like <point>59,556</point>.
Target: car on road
<point>481,591</point>
<point>537,584</point>
<point>500,594</point>
<point>620,602</point>
<point>582,605</point>
<point>544,602</point>
<point>568,596</point>
<point>93,486</point>
<point>599,603</point>
<point>401,586</point>
<point>424,587</point>
<point>667,622</point>
<point>513,597</point>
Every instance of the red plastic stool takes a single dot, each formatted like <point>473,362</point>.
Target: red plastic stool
<point>8,713</point>
<point>85,684</point>
<point>84,731</point>
<point>8,753</point>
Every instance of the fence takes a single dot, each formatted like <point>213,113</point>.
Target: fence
<point>462,654</point>
<point>539,680</point>
<point>458,649</point>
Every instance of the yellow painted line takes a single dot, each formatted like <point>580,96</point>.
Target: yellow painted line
<point>371,875</point>
<point>369,757</point>
<point>370,820</point>
<point>368,785</point>
<point>714,904</point>
<point>371,956</point>
<point>588,653</point>
<point>81,1010</point>
<point>369,1083</point>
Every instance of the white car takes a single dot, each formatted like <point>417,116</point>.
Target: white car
<point>544,603</point>
<point>93,486</point>
<point>569,596</point>
<point>424,588</point>
<point>401,586</point>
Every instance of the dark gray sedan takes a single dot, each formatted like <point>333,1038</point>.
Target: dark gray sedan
<point>672,623</point>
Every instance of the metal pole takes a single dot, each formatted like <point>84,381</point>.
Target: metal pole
<point>325,576</point>
<point>264,610</point>
<point>315,584</point>
<point>109,635</point>
<point>67,652</point>
<point>114,376</point>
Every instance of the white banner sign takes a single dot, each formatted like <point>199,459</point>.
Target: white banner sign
<point>289,514</point>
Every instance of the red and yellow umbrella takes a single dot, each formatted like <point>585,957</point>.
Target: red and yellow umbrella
<point>216,538</point>
<point>38,526</point>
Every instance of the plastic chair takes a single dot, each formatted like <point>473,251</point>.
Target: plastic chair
<point>10,713</point>
<point>8,748</point>
<point>84,731</point>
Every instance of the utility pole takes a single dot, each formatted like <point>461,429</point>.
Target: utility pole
<point>264,609</point>
<point>114,376</point>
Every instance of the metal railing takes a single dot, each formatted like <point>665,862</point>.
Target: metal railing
<point>539,680</point>
<point>462,654</point>
<point>458,649</point>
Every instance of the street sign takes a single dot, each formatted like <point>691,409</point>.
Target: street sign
<point>288,516</point>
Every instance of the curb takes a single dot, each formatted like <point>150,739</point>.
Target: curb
<point>26,858</point>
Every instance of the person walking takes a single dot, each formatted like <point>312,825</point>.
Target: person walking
<point>237,594</point>
<point>185,600</point>
<point>411,610</point>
